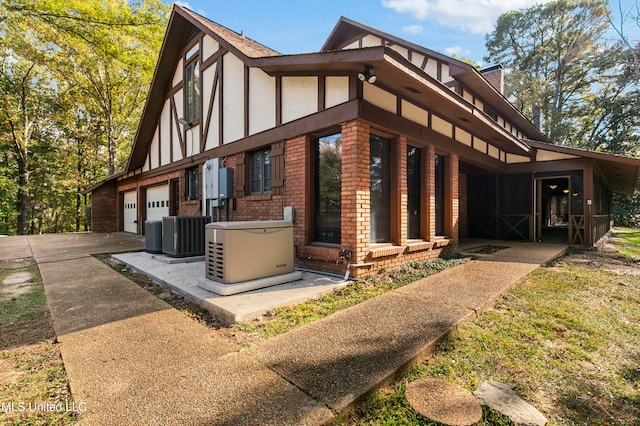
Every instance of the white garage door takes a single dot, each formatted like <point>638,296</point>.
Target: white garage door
<point>157,202</point>
<point>130,212</point>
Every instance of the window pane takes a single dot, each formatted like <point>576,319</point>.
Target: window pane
<point>267,170</point>
<point>193,183</point>
<point>328,188</point>
<point>413,192</point>
<point>192,82</point>
<point>256,172</point>
<point>439,195</point>
<point>380,186</point>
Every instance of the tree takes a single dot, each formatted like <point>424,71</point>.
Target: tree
<point>551,55</point>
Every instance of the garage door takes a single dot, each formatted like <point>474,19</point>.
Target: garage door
<point>157,202</point>
<point>130,212</point>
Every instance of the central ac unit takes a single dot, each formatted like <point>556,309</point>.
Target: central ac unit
<point>183,236</point>
<point>243,251</point>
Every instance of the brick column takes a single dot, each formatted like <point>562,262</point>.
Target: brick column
<point>430,163</point>
<point>298,186</point>
<point>356,204</point>
<point>452,194</point>
<point>401,223</point>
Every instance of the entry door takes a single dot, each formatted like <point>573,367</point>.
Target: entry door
<point>553,209</point>
<point>130,212</point>
<point>157,202</point>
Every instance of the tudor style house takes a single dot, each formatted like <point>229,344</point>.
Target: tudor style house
<point>387,152</point>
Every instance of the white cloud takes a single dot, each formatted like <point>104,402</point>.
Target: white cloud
<point>187,5</point>
<point>475,16</point>
<point>457,51</point>
<point>412,29</point>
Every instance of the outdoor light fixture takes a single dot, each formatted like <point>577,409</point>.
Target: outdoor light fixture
<point>367,75</point>
<point>183,121</point>
<point>553,186</point>
<point>566,191</point>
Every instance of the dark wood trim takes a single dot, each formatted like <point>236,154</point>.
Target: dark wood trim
<point>220,100</point>
<point>180,131</point>
<point>423,136</point>
<point>278,100</point>
<point>321,92</point>
<point>213,58</point>
<point>246,101</point>
<point>322,120</point>
<point>207,125</point>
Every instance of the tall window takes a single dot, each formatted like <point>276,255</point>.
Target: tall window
<point>260,171</point>
<point>192,183</point>
<point>439,195</point>
<point>413,192</point>
<point>380,188</point>
<point>328,188</point>
<point>192,88</point>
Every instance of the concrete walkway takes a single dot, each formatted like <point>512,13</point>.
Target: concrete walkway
<point>132,359</point>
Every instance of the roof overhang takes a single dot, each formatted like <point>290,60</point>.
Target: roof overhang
<point>400,76</point>
<point>621,173</point>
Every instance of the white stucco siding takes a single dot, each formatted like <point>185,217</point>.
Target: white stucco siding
<point>441,126</point>
<point>371,41</point>
<point>432,68</point>
<point>262,101</point>
<point>208,76</point>
<point>192,140</point>
<point>177,76</point>
<point>154,152</point>
<point>163,132</point>
<point>213,135</point>
<point>336,91</point>
<point>380,98</point>
<point>417,59</point>
<point>209,47</point>
<point>543,155</point>
<point>233,99</point>
<point>178,100</point>
<point>299,97</point>
<point>415,113</point>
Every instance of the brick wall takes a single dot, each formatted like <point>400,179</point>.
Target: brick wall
<point>104,208</point>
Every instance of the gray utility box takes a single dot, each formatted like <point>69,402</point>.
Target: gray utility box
<point>243,251</point>
<point>153,236</point>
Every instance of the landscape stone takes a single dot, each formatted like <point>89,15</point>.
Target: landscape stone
<point>443,402</point>
<point>503,399</point>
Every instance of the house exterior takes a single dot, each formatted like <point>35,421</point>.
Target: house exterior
<point>385,151</point>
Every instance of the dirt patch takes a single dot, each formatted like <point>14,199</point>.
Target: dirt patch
<point>606,258</point>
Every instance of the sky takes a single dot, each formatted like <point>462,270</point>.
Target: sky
<point>451,27</point>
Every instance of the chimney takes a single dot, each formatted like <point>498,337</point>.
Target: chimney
<point>495,76</point>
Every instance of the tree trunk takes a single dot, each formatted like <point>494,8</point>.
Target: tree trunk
<point>23,199</point>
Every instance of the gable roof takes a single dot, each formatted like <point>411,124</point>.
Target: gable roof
<point>182,27</point>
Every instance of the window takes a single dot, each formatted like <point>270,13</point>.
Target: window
<point>260,172</point>
<point>192,183</point>
<point>380,188</point>
<point>439,194</point>
<point>192,90</point>
<point>413,192</point>
<point>328,188</point>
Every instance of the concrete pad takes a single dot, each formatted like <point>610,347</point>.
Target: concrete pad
<point>344,356</point>
<point>184,278</point>
<point>242,287</point>
<point>15,247</point>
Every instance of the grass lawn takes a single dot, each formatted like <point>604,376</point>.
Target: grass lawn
<point>33,384</point>
<point>566,340</point>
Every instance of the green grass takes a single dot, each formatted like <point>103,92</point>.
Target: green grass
<point>286,319</point>
<point>31,370</point>
<point>630,240</point>
<point>566,340</point>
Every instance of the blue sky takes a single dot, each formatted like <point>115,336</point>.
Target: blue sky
<point>452,27</point>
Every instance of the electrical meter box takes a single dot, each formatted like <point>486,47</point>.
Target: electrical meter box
<point>218,181</point>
